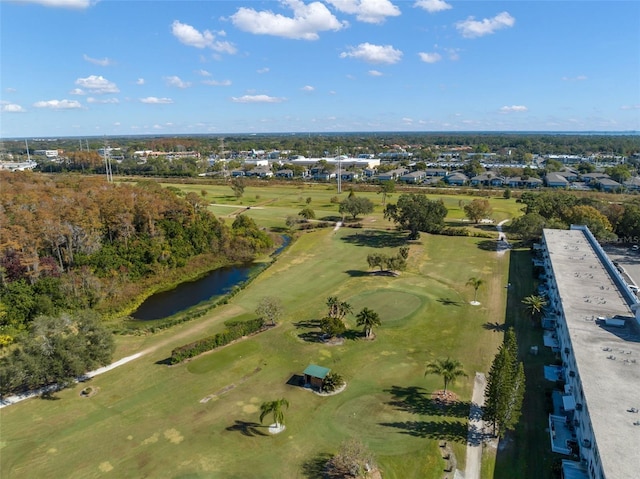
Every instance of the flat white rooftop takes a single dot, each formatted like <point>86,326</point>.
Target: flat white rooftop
<point>607,357</point>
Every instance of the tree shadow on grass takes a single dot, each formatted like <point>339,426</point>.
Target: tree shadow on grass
<point>247,428</point>
<point>454,431</point>
<point>488,245</point>
<point>334,219</point>
<point>313,333</point>
<point>315,468</point>
<point>495,327</point>
<point>416,400</point>
<point>448,302</point>
<point>356,273</point>
<point>377,239</point>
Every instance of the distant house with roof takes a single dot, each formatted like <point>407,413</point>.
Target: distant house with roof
<point>632,184</point>
<point>392,175</point>
<point>286,173</point>
<point>523,182</point>
<point>556,180</point>
<point>487,179</point>
<point>608,185</point>
<point>591,179</point>
<point>457,179</point>
<point>413,177</point>
<point>570,174</point>
<point>441,172</point>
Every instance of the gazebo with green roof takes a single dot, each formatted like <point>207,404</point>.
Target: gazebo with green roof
<point>314,375</point>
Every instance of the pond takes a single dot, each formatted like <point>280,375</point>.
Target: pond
<point>215,283</point>
<point>218,282</point>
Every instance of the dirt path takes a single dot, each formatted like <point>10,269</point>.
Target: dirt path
<point>476,432</point>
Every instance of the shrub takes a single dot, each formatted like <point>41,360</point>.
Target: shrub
<point>234,330</point>
<point>332,382</point>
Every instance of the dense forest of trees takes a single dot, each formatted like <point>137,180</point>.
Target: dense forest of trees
<point>70,243</point>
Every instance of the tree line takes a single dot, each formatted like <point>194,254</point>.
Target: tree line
<point>73,242</point>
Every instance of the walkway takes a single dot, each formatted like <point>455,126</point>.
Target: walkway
<point>9,400</point>
<point>476,433</point>
<point>503,244</point>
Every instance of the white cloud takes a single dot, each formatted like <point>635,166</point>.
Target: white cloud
<point>77,91</point>
<point>156,101</point>
<point>97,85</point>
<point>630,107</point>
<point>190,36</point>
<point>63,3</point>
<point>572,79</point>
<point>217,82</point>
<point>257,99</point>
<point>305,24</point>
<point>58,104</point>
<point>375,73</point>
<point>368,11</point>
<point>140,81</point>
<point>513,108</point>
<point>373,53</point>
<point>103,101</point>
<point>177,82</point>
<point>407,120</point>
<point>471,28</point>
<point>12,108</point>
<point>430,57</point>
<point>308,88</point>
<point>203,73</point>
<point>432,6</point>
<point>103,62</point>
<point>263,70</point>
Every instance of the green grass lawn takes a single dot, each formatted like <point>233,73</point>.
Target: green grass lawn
<point>148,419</point>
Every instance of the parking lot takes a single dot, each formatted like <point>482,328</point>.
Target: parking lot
<point>626,258</point>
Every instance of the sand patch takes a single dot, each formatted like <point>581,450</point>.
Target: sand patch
<point>324,352</point>
<point>254,400</point>
<point>151,439</point>
<point>105,466</point>
<point>388,353</point>
<point>173,436</point>
<point>250,408</point>
<point>52,450</point>
<point>130,437</point>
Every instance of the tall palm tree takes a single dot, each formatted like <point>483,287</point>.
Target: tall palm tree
<point>275,408</point>
<point>449,369</point>
<point>368,318</point>
<point>535,305</point>
<point>475,283</point>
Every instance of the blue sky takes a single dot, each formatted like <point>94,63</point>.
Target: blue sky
<point>115,67</point>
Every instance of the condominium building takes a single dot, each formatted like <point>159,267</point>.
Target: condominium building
<point>595,321</point>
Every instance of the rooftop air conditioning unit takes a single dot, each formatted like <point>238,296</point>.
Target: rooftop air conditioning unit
<point>578,406</point>
<point>572,374</point>
<point>586,443</point>
<point>566,350</point>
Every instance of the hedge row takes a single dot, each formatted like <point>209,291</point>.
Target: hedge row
<point>234,330</point>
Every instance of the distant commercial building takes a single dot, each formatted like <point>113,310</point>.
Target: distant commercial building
<point>595,329</point>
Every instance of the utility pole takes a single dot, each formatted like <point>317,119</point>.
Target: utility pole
<point>339,170</point>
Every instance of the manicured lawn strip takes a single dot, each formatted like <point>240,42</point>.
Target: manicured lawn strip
<point>147,419</point>
<point>526,452</point>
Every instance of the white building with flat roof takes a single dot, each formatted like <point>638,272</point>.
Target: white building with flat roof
<point>598,336</point>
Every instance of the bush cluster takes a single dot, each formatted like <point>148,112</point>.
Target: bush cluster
<point>233,330</point>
